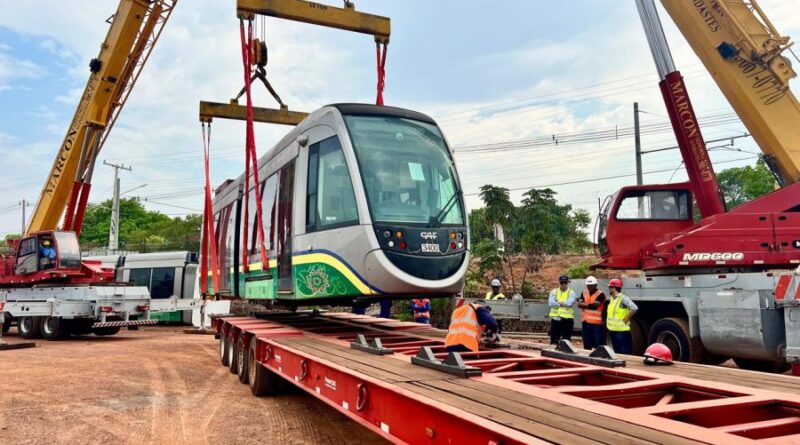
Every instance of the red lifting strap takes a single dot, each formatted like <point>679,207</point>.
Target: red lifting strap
<point>251,157</point>
<point>381,56</point>
<point>209,240</point>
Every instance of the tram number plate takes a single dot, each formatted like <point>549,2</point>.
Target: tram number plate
<point>430,248</point>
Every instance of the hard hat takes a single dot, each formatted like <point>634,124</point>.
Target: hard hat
<point>495,283</point>
<point>563,279</point>
<point>46,242</point>
<point>615,282</point>
<point>657,354</point>
<point>591,280</point>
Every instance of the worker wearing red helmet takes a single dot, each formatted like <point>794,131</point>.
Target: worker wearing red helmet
<point>618,319</point>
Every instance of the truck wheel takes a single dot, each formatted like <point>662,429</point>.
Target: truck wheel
<point>81,326</point>
<point>775,367</point>
<point>6,324</point>
<point>54,328</point>
<point>106,332</point>
<point>233,362</point>
<point>223,350</point>
<point>674,332</point>
<point>263,382</point>
<point>639,332</point>
<point>29,327</point>
<point>242,353</point>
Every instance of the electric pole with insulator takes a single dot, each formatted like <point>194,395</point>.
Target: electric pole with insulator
<point>113,230</point>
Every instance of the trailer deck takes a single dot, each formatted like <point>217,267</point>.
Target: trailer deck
<point>520,396</point>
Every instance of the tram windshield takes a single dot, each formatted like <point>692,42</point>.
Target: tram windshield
<point>407,170</point>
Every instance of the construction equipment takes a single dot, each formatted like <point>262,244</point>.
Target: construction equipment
<point>712,284</point>
<point>45,284</point>
<point>396,379</point>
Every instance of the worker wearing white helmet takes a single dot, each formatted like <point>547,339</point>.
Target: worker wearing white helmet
<point>593,303</point>
<point>495,293</point>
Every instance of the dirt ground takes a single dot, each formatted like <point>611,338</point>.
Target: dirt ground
<point>156,385</point>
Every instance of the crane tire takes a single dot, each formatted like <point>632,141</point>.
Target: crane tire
<point>674,333</point>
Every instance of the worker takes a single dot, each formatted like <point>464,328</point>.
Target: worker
<point>495,293</point>
<point>467,324</point>
<point>618,319</point>
<point>593,302</point>
<point>421,308</point>
<point>561,302</point>
<point>47,254</point>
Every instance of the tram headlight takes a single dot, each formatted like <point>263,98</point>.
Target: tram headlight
<point>391,243</point>
<point>387,233</point>
<point>399,234</point>
<point>452,235</point>
<point>460,245</point>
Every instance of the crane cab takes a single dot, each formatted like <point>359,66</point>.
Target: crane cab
<point>47,251</point>
<point>637,216</point>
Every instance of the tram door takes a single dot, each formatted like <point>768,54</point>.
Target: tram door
<point>285,197</point>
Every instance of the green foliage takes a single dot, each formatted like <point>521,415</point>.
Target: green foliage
<point>580,270</point>
<point>140,229</point>
<point>489,251</point>
<point>742,184</point>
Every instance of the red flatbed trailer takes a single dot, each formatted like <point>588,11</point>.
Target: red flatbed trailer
<point>519,397</point>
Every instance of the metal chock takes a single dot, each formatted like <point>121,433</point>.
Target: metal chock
<point>374,347</point>
<point>453,364</point>
<point>602,356</point>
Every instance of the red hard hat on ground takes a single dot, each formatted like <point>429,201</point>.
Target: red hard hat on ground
<point>657,354</point>
<point>615,282</point>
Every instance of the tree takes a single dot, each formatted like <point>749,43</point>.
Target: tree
<point>743,184</point>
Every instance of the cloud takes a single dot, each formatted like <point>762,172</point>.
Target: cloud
<point>13,68</point>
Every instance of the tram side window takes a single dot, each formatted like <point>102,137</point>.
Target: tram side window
<point>140,277</point>
<point>163,282</point>
<point>331,201</point>
<point>655,205</point>
<point>268,195</point>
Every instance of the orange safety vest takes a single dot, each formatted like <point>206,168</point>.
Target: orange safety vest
<point>592,316</point>
<point>464,328</point>
<point>421,302</point>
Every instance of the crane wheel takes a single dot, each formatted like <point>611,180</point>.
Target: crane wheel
<point>230,345</point>
<point>6,324</point>
<point>54,328</point>
<point>674,332</point>
<point>29,327</point>
<point>242,355</point>
<point>775,367</point>
<point>262,381</point>
<point>106,332</point>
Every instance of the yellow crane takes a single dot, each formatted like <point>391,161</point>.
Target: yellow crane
<point>746,56</point>
<point>134,31</point>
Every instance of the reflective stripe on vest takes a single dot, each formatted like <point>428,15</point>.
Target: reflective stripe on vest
<point>616,315</point>
<point>592,316</point>
<point>489,296</point>
<point>464,328</point>
<point>558,311</point>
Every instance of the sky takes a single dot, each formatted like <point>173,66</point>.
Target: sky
<point>488,72</point>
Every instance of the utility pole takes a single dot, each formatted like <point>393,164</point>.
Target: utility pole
<point>24,203</point>
<point>638,141</point>
<point>113,230</point>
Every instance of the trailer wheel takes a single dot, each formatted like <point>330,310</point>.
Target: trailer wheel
<point>6,324</point>
<point>263,382</point>
<point>242,356</point>
<point>223,350</point>
<point>28,327</point>
<point>106,332</point>
<point>674,332</point>
<point>775,367</point>
<point>233,362</point>
<point>54,328</point>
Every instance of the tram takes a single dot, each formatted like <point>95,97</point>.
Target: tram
<point>359,202</point>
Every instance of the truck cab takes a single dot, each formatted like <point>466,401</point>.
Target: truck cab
<point>48,251</point>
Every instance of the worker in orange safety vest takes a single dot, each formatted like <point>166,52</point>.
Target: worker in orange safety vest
<point>467,324</point>
<point>593,303</point>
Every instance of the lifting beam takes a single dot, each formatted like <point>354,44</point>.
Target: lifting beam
<point>346,18</point>
<point>282,116</point>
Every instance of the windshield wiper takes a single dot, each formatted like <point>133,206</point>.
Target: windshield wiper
<point>437,221</point>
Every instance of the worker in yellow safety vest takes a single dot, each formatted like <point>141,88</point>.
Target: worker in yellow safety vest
<point>495,293</point>
<point>618,319</point>
<point>593,303</point>
<point>561,302</point>
<point>467,324</point>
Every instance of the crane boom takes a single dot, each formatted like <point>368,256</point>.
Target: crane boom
<point>134,30</point>
<point>741,49</point>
